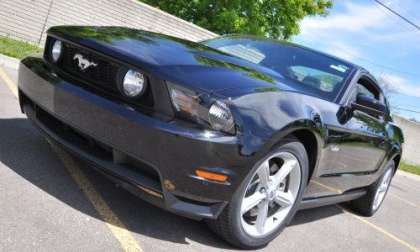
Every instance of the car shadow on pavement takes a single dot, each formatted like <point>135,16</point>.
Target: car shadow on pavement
<point>24,150</point>
<point>315,214</point>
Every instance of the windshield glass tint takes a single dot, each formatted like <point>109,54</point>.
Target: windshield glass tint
<point>308,71</point>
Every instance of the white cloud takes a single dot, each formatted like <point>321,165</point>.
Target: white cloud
<point>343,51</point>
<point>365,24</point>
<point>355,18</point>
<point>398,84</point>
<point>367,34</point>
<point>337,33</point>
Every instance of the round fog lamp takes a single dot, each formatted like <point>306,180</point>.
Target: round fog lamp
<point>56,50</point>
<point>220,117</point>
<point>134,84</point>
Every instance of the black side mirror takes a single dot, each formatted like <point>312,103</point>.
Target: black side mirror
<point>369,105</point>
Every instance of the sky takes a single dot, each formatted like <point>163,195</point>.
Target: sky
<point>365,33</point>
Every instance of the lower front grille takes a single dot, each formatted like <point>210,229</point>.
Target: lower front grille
<point>130,168</point>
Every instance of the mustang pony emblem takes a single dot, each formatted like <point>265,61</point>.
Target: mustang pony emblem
<point>83,63</point>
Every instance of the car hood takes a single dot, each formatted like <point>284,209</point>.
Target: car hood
<point>173,59</point>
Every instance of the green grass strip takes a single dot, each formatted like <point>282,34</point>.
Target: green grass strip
<point>17,49</point>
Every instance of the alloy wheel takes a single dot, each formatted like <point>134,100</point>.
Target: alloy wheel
<point>382,189</point>
<point>270,194</point>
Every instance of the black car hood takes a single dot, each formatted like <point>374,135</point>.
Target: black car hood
<point>173,59</point>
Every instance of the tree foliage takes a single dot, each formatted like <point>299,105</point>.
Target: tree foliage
<point>270,18</point>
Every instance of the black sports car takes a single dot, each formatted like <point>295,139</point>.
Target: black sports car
<point>238,130</point>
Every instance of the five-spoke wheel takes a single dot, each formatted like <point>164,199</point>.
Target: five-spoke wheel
<point>382,189</point>
<point>270,194</point>
<point>267,199</point>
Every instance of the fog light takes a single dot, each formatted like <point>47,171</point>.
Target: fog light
<point>56,50</point>
<point>134,84</point>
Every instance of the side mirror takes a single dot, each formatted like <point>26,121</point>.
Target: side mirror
<point>369,105</point>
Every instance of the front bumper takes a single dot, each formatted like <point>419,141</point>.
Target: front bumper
<point>148,156</point>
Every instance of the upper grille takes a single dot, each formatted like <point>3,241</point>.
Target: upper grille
<point>104,76</point>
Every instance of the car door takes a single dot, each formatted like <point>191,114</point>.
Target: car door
<point>356,145</point>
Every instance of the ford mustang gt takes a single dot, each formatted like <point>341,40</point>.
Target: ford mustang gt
<point>238,131</point>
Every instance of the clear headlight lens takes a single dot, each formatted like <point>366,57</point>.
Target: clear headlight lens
<point>56,50</point>
<point>134,84</point>
<point>220,117</point>
<point>213,114</point>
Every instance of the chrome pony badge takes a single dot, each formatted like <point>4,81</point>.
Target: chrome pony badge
<point>83,63</point>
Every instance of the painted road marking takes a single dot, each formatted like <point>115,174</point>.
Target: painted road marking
<point>118,229</point>
<point>381,230</point>
<point>377,228</point>
<point>332,189</point>
<point>10,84</point>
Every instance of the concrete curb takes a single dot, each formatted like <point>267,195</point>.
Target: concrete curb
<point>9,62</point>
<point>408,175</point>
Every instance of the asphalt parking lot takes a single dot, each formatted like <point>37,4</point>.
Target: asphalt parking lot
<point>50,201</point>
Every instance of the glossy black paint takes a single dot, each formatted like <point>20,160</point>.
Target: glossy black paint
<point>349,148</point>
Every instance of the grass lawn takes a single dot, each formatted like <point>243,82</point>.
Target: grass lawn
<point>415,169</point>
<point>17,49</point>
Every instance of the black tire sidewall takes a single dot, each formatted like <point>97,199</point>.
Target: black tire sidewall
<point>372,190</point>
<point>296,148</point>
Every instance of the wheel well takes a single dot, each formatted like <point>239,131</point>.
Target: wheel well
<point>308,139</point>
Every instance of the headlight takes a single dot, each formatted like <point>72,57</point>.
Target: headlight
<point>220,117</point>
<point>56,50</point>
<point>205,111</point>
<point>134,84</point>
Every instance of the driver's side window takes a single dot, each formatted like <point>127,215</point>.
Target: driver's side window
<point>366,88</point>
<point>368,98</point>
<point>362,90</point>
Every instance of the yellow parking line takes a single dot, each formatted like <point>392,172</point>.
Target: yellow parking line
<point>12,86</point>
<point>329,188</point>
<point>383,231</point>
<point>118,229</point>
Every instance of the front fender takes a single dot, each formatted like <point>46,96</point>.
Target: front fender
<point>266,118</point>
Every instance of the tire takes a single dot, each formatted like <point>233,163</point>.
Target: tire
<point>231,224</point>
<point>366,205</point>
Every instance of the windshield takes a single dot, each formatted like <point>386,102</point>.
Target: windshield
<point>308,71</point>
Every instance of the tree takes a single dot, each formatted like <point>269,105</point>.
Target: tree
<point>270,18</point>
